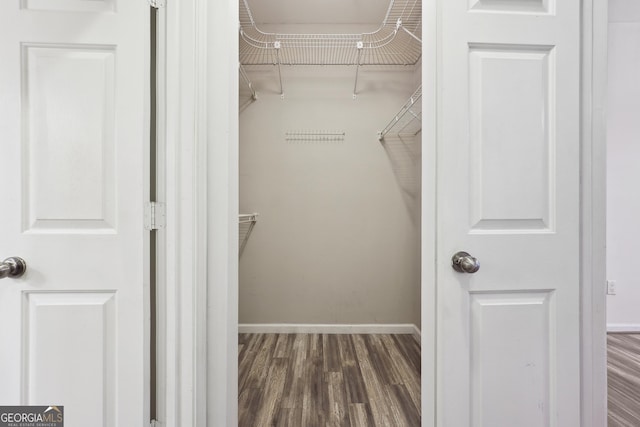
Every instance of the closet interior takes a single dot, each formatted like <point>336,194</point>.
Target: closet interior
<point>330,157</point>
<point>330,122</point>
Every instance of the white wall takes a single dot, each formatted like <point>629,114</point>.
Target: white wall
<point>623,164</point>
<point>338,236</point>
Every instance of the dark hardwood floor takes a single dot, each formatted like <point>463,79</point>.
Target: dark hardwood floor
<point>623,376</point>
<point>309,380</point>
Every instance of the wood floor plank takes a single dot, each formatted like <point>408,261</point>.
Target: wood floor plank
<point>360,415</point>
<point>309,380</point>
<point>331,353</point>
<point>354,384</point>
<point>381,360</point>
<point>338,415</point>
<point>314,396</point>
<point>347,351</point>
<point>259,368</point>
<point>409,375</point>
<point>409,346</point>
<point>294,382</point>
<point>248,402</point>
<point>288,417</point>
<point>273,390</point>
<point>245,363</point>
<point>315,346</point>
<point>623,377</point>
<point>378,400</point>
<point>284,345</point>
<point>315,393</point>
<point>404,411</point>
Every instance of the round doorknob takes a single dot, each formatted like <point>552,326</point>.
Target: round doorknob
<point>462,262</point>
<point>12,267</point>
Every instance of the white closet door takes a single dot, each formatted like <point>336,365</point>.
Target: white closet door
<point>74,138</point>
<point>508,193</point>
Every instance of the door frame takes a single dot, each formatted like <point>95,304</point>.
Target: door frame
<point>593,213</point>
<point>198,169</point>
<point>181,277</point>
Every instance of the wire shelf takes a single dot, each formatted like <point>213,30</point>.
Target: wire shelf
<point>396,42</point>
<point>246,222</point>
<point>315,136</point>
<point>408,121</point>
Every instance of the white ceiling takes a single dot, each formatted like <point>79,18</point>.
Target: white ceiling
<point>318,11</point>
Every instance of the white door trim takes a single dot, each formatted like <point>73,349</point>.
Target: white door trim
<point>182,244</point>
<point>201,194</point>
<point>221,65</point>
<point>593,210</point>
<point>432,18</point>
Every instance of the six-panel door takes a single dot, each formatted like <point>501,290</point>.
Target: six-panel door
<point>74,137</point>
<point>508,188</point>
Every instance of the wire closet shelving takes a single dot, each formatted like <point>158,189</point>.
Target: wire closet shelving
<point>396,42</point>
<point>408,121</point>
<point>246,222</point>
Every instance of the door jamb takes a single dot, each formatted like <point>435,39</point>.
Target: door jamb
<point>431,17</point>
<point>593,213</point>
<point>181,185</point>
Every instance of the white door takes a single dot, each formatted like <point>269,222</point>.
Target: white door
<point>73,137</point>
<point>508,193</point>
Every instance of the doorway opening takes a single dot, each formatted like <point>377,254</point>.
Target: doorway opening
<point>330,203</point>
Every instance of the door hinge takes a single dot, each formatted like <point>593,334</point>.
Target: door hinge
<point>154,423</point>
<point>157,4</point>
<point>154,216</point>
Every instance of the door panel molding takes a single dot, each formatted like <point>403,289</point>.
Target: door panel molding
<point>55,136</point>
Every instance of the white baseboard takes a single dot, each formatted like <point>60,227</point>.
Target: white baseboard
<point>297,328</point>
<point>417,333</point>
<point>623,327</point>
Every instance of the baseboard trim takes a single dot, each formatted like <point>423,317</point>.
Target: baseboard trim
<point>417,333</point>
<point>623,327</point>
<point>304,328</point>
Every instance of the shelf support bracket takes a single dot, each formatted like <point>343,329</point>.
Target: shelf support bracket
<point>243,73</point>
<point>277,46</point>
<point>411,34</point>
<point>360,46</point>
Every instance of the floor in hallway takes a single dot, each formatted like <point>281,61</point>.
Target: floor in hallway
<point>623,376</point>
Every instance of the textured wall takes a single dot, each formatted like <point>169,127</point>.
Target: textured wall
<point>623,159</point>
<point>338,236</point>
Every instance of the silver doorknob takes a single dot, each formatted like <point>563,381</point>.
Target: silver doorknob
<point>462,262</point>
<point>12,267</point>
